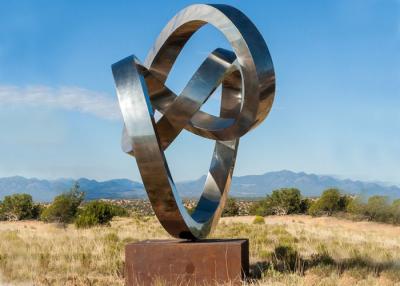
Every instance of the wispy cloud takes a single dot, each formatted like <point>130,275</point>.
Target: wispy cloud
<point>67,98</point>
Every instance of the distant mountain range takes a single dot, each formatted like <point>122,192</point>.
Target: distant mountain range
<point>45,190</point>
<point>243,186</point>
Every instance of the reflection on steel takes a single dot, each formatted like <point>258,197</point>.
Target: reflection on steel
<point>247,77</point>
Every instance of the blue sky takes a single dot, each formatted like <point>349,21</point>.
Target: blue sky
<point>336,109</point>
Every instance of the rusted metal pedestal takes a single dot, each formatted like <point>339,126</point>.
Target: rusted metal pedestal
<point>181,262</point>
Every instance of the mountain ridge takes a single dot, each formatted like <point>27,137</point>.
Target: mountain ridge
<point>242,186</point>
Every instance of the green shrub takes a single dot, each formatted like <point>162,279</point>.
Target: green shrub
<point>119,211</point>
<point>283,201</point>
<point>98,213</point>
<point>64,207</point>
<point>356,206</point>
<point>344,202</point>
<point>231,208</point>
<point>2,214</point>
<point>378,209</point>
<point>314,209</point>
<point>18,207</point>
<point>395,210</point>
<point>258,220</point>
<point>305,205</point>
<point>331,201</point>
<point>86,220</point>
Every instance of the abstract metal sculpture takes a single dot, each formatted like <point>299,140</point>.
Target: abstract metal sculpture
<point>248,87</point>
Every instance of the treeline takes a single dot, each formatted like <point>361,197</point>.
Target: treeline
<point>65,208</point>
<point>332,202</point>
<point>70,207</point>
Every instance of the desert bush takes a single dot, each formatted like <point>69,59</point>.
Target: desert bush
<point>18,207</point>
<point>331,201</point>
<point>378,209</point>
<point>305,205</point>
<point>344,202</point>
<point>98,213</point>
<point>327,203</point>
<point>64,207</point>
<point>355,206</point>
<point>258,220</point>
<point>119,211</point>
<point>231,208</point>
<point>2,216</point>
<point>283,201</point>
<point>395,210</point>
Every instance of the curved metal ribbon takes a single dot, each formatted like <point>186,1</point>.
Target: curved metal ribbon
<point>248,87</point>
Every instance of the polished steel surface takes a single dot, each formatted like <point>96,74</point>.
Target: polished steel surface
<point>247,77</point>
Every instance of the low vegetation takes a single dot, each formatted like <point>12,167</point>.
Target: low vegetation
<point>280,202</point>
<point>70,207</point>
<point>285,250</point>
<point>98,213</point>
<point>64,207</point>
<point>330,202</point>
<point>376,208</point>
<point>19,207</point>
<point>231,208</point>
<point>294,240</point>
<point>258,220</point>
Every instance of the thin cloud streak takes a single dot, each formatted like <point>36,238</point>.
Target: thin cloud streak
<point>66,98</point>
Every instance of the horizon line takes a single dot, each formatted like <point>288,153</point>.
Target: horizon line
<point>337,177</point>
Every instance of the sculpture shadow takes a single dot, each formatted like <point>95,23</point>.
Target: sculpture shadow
<point>285,259</point>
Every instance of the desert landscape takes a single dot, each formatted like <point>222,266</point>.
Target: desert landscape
<point>120,123</point>
<point>284,250</point>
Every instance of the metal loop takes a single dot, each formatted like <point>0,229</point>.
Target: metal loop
<point>248,86</point>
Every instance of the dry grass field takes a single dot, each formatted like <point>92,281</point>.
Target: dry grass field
<point>287,250</point>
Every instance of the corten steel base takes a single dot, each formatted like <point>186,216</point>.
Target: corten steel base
<point>181,262</point>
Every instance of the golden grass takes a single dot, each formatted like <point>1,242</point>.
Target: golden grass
<point>289,250</point>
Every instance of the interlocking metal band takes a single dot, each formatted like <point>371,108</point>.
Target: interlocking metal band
<point>248,87</point>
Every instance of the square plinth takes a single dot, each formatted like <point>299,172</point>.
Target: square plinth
<point>181,262</point>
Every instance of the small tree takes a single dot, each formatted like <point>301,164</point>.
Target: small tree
<point>18,207</point>
<point>395,210</point>
<point>64,207</point>
<point>287,200</point>
<point>378,209</point>
<point>231,208</point>
<point>329,202</point>
<point>344,202</point>
<point>282,201</point>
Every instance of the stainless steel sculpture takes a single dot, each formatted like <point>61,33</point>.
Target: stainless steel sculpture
<point>248,87</point>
